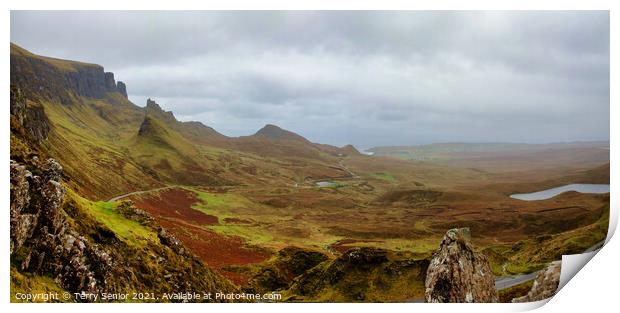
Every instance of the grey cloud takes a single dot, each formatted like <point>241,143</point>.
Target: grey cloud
<point>363,77</point>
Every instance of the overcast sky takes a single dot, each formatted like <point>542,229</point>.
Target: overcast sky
<point>366,78</point>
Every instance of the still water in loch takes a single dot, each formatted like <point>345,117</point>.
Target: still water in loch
<point>550,193</point>
<point>325,183</point>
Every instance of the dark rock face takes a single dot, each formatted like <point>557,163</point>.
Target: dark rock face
<point>120,86</point>
<point>152,105</point>
<point>30,118</point>
<point>87,81</point>
<point>545,284</point>
<point>36,76</point>
<point>145,126</point>
<point>39,226</point>
<point>110,83</point>
<point>17,104</point>
<point>457,273</point>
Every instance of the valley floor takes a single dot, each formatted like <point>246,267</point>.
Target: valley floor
<point>236,229</point>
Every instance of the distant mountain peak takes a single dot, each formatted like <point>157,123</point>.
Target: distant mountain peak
<point>274,132</point>
<point>350,149</point>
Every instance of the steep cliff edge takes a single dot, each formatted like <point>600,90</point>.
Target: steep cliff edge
<point>54,78</point>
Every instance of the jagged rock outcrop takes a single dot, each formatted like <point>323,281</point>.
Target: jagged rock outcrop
<point>545,284</point>
<point>35,201</point>
<point>28,119</point>
<point>192,130</point>
<point>457,273</point>
<point>171,241</point>
<point>151,104</point>
<point>120,87</point>
<point>54,78</point>
<point>153,109</point>
<point>54,235</point>
<point>39,227</point>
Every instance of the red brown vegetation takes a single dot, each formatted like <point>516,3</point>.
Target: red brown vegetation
<point>172,209</point>
<point>174,203</point>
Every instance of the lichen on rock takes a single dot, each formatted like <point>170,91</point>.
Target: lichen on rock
<point>40,227</point>
<point>545,284</point>
<point>457,273</point>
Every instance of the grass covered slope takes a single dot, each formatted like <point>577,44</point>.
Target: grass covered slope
<point>98,135</point>
<point>110,146</point>
<point>363,274</point>
<point>529,255</point>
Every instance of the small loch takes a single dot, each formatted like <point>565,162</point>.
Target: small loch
<point>550,193</point>
<point>325,183</point>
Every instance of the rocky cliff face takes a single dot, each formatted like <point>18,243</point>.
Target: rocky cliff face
<point>39,226</point>
<point>457,273</point>
<point>27,119</point>
<point>153,109</point>
<point>52,78</point>
<point>120,86</point>
<point>545,285</point>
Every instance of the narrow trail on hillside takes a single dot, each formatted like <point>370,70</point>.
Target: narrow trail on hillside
<point>139,192</point>
<point>346,169</point>
<point>312,182</point>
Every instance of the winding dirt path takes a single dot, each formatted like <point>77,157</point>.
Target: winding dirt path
<point>139,192</point>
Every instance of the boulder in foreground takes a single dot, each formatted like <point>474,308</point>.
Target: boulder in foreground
<point>457,273</point>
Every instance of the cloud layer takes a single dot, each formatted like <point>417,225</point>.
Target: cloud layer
<point>367,78</point>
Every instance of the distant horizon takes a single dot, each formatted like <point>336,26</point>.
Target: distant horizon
<point>362,148</point>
